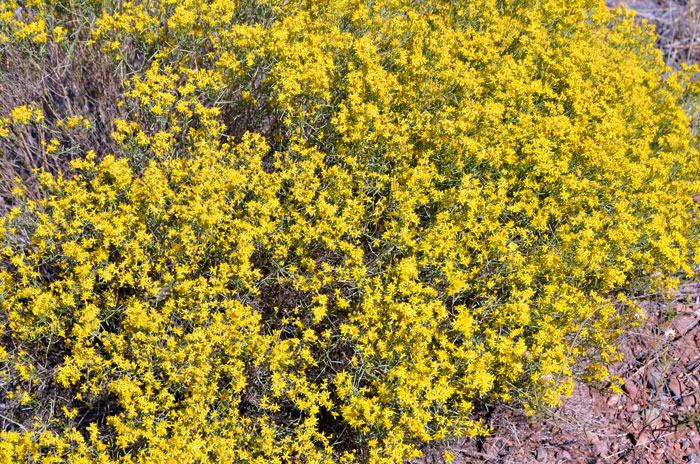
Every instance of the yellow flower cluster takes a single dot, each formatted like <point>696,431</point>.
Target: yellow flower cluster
<point>333,228</point>
<point>23,21</point>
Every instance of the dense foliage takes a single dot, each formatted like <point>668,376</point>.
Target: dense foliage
<point>324,231</point>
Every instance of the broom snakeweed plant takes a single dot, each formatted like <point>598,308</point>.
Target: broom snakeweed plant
<point>327,230</point>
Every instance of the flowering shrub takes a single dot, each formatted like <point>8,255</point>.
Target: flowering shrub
<point>333,228</point>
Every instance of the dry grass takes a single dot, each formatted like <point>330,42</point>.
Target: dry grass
<point>677,25</point>
<point>81,82</point>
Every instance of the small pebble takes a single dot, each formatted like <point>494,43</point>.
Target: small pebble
<point>653,379</point>
<point>564,455</point>
<point>630,388</point>
<point>675,387</point>
<point>541,454</point>
<point>690,401</point>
